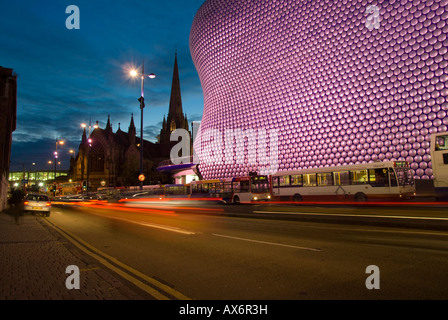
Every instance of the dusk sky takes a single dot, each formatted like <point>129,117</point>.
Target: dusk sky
<point>66,77</point>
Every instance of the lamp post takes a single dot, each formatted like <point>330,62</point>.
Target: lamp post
<point>58,142</point>
<point>134,73</point>
<point>89,140</point>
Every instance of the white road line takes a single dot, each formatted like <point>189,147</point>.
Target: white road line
<point>266,242</point>
<point>168,228</point>
<point>353,215</point>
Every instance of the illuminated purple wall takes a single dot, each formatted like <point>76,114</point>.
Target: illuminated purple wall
<point>338,90</point>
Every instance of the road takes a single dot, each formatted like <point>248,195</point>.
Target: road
<point>203,252</point>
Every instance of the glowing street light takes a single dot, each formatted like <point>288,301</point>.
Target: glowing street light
<point>134,73</point>
<point>95,126</point>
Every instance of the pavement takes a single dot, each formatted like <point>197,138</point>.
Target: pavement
<point>33,262</point>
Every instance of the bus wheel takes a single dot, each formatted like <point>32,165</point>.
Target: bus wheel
<point>297,198</point>
<point>236,199</point>
<point>360,197</point>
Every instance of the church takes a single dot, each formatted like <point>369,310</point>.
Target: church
<point>112,159</point>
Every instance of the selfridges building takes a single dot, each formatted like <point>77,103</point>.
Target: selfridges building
<point>304,84</point>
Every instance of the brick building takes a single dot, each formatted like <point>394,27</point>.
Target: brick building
<point>8,118</point>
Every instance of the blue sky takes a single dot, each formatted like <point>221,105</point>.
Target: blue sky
<point>66,77</point>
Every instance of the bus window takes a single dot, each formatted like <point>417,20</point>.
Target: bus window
<point>325,179</point>
<point>236,186</point>
<point>296,180</point>
<point>379,177</point>
<point>275,181</point>
<point>309,180</point>
<point>441,143</point>
<point>284,181</point>
<point>227,187</point>
<point>359,177</point>
<point>341,178</point>
<point>393,178</point>
<point>244,186</point>
<point>260,185</point>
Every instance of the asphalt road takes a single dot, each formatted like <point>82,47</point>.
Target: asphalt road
<point>214,255</point>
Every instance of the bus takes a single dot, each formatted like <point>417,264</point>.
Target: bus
<point>250,189</point>
<point>439,161</point>
<point>210,189</point>
<point>390,180</point>
<point>176,190</point>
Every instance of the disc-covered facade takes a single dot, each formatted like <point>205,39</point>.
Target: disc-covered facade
<point>336,82</point>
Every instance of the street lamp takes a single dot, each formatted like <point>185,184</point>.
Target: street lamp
<point>134,73</point>
<point>89,140</point>
<point>58,142</point>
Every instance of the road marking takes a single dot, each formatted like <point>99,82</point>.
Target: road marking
<point>352,215</point>
<point>146,224</point>
<point>168,228</point>
<point>266,242</point>
<point>161,293</point>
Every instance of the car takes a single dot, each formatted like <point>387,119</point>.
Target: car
<point>37,203</point>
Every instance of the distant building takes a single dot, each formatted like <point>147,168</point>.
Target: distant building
<point>108,158</point>
<point>8,118</point>
<point>176,118</point>
<point>114,157</point>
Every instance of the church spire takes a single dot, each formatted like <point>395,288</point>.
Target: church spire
<point>84,136</point>
<point>132,129</point>
<point>175,111</point>
<point>108,125</point>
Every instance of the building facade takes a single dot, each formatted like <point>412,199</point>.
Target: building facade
<point>330,82</point>
<point>8,120</point>
<point>107,158</point>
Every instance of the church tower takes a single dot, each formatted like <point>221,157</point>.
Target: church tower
<point>176,118</point>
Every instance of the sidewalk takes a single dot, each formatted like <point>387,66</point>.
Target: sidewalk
<point>33,261</point>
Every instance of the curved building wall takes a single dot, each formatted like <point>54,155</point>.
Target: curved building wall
<point>336,83</point>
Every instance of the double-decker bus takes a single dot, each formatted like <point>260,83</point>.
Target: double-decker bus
<point>439,161</point>
<point>391,180</point>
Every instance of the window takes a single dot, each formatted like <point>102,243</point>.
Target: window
<point>441,143</point>
<point>260,184</point>
<point>227,187</point>
<point>341,178</point>
<point>97,159</point>
<point>284,181</point>
<point>325,179</point>
<point>359,176</point>
<point>379,177</point>
<point>172,126</point>
<point>393,178</point>
<point>296,180</point>
<point>275,181</point>
<point>244,186</point>
<point>309,180</point>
